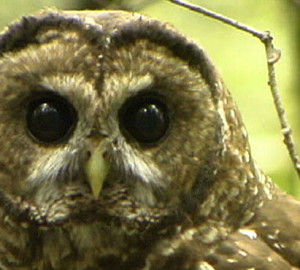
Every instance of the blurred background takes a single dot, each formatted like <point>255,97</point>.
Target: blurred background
<point>239,57</point>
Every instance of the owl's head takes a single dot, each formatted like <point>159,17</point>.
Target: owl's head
<point>115,116</point>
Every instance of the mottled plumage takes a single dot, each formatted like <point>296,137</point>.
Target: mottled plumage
<point>121,148</point>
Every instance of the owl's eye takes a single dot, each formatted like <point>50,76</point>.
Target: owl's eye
<point>51,119</point>
<point>145,118</point>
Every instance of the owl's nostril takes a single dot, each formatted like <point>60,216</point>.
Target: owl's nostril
<point>89,155</point>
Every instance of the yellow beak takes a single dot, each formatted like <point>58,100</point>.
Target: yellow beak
<point>97,169</point>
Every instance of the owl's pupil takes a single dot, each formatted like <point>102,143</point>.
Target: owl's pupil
<point>145,118</point>
<point>149,121</point>
<point>50,119</point>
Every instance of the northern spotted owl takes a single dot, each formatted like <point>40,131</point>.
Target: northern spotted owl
<point>121,148</point>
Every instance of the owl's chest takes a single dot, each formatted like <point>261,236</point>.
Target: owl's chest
<point>86,247</point>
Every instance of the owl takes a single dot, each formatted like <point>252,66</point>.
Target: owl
<point>122,149</point>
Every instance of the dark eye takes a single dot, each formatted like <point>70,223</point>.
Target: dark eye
<point>145,117</point>
<point>51,119</point>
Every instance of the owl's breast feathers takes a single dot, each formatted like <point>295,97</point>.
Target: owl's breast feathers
<point>269,241</point>
<point>192,200</point>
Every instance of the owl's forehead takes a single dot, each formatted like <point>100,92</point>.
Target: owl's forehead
<point>66,48</point>
<point>104,30</point>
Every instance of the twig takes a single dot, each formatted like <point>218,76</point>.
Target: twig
<point>273,55</point>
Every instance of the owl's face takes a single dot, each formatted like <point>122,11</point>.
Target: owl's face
<point>113,115</point>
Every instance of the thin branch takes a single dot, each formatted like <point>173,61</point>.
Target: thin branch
<point>273,55</point>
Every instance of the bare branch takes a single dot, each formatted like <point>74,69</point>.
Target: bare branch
<point>273,55</point>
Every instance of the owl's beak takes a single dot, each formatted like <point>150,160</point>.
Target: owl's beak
<point>97,168</point>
